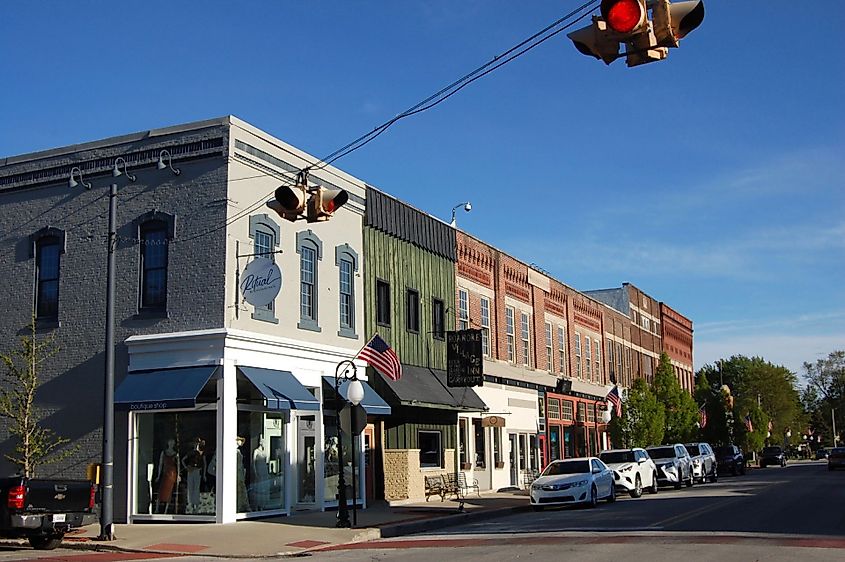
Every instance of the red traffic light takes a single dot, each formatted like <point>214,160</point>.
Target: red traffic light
<point>623,16</point>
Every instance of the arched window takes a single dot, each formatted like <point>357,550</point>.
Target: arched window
<point>346,260</point>
<point>48,246</point>
<point>265,234</point>
<point>154,265</point>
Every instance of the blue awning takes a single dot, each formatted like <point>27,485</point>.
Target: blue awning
<point>281,389</point>
<point>162,389</point>
<point>372,402</point>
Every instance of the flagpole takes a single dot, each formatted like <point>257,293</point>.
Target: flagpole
<point>365,345</point>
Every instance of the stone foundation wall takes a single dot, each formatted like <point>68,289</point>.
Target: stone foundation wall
<point>403,477</point>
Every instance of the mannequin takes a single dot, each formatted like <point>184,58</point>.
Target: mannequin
<point>242,498</point>
<point>168,474</point>
<point>261,475</point>
<point>195,468</point>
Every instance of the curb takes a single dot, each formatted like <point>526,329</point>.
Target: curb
<point>411,527</point>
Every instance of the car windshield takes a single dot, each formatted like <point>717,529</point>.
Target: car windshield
<point>771,450</point>
<point>616,457</point>
<point>567,467</point>
<point>726,450</point>
<point>662,452</point>
<point>692,450</point>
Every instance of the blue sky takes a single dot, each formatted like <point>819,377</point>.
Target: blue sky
<point>713,180</point>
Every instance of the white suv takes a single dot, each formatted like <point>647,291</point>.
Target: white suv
<point>633,470</point>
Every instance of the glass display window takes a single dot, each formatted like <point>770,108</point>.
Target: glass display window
<point>261,468</point>
<point>175,463</point>
<point>331,465</point>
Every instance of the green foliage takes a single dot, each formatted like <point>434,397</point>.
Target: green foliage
<point>35,445</point>
<point>642,421</point>
<point>825,393</point>
<point>681,410</point>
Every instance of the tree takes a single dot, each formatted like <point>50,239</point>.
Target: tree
<point>642,421</point>
<point>825,392</point>
<point>36,445</point>
<point>681,410</point>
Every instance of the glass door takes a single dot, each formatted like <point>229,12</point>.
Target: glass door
<point>306,460</point>
<point>512,458</point>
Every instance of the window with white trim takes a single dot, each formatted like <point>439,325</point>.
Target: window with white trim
<point>597,366</point>
<point>550,363</point>
<point>588,359</point>
<point>578,354</point>
<point>510,333</point>
<point>310,250</point>
<point>485,326</point>
<point>561,351</point>
<point>526,347</point>
<point>463,309</point>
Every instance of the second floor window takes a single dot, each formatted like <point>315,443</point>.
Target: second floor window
<point>347,296</point>
<point>438,318</point>
<point>412,311</point>
<point>154,265</point>
<point>578,354</point>
<point>47,266</point>
<point>382,302</point>
<point>526,348</point>
<point>263,248</point>
<point>463,310</point>
<point>588,358</point>
<point>485,326</point>
<point>511,334</point>
<point>550,362</point>
<point>561,352</point>
<point>307,283</point>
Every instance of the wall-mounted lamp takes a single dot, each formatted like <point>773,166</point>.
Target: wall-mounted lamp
<point>115,171</point>
<point>162,165</point>
<point>467,207</point>
<point>73,183</point>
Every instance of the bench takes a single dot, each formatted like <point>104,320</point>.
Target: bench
<point>529,476</point>
<point>457,484</point>
<point>434,487</point>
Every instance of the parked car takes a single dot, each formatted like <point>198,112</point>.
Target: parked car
<point>836,458</point>
<point>772,455</point>
<point>633,470</point>
<point>571,481</point>
<point>729,458</point>
<point>674,466</point>
<point>42,511</point>
<point>821,454</point>
<point>703,461</point>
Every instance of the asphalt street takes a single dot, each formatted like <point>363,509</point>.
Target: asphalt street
<point>772,514</point>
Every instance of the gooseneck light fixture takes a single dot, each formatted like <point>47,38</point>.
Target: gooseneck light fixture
<point>467,207</point>
<point>115,171</point>
<point>161,165</point>
<point>354,395</point>
<point>73,183</point>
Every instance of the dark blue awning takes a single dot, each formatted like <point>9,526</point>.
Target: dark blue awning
<point>281,389</point>
<point>372,402</point>
<point>162,389</point>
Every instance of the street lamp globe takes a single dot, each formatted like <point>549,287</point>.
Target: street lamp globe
<point>355,392</point>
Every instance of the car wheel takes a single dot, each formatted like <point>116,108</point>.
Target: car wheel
<point>691,480</point>
<point>48,542</point>
<point>612,497</point>
<point>653,489</point>
<point>638,488</point>
<point>715,476</point>
<point>537,507</point>
<point>594,497</point>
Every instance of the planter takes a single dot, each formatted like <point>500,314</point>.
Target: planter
<point>466,466</point>
<point>500,464</point>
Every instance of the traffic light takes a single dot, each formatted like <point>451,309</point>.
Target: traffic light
<point>626,22</point>
<point>324,202</point>
<point>289,201</point>
<point>674,20</point>
<point>316,203</point>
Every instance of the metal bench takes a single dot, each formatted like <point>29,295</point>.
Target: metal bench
<point>457,484</point>
<point>464,485</point>
<point>434,487</point>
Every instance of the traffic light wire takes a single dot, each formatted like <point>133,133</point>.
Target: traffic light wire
<point>459,84</point>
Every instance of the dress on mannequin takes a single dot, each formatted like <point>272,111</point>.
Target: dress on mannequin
<point>195,467</point>
<point>168,475</point>
<point>261,474</point>
<point>242,497</point>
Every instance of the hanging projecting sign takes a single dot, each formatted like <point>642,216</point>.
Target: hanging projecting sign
<point>464,366</point>
<point>261,282</point>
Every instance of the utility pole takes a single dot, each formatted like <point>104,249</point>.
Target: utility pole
<point>833,420</point>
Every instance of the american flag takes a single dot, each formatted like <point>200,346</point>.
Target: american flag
<point>702,416</point>
<point>381,357</point>
<point>614,398</point>
<point>748,425</point>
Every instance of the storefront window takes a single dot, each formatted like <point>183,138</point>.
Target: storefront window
<point>175,463</point>
<point>262,462</point>
<point>480,448</point>
<point>497,446</point>
<point>430,449</point>
<point>554,442</point>
<point>462,437</point>
<point>532,452</point>
<point>523,446</point>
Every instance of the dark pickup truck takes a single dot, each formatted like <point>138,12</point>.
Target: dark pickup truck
<point>44,510</point>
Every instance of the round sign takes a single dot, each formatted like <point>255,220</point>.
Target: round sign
<point>262,281</point>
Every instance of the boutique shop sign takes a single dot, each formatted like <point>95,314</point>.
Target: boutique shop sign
<point>261,282</point>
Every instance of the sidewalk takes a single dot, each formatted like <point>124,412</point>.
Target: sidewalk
<point>298,533</point>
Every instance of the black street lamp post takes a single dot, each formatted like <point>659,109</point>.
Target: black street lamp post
<point>354,395</point>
